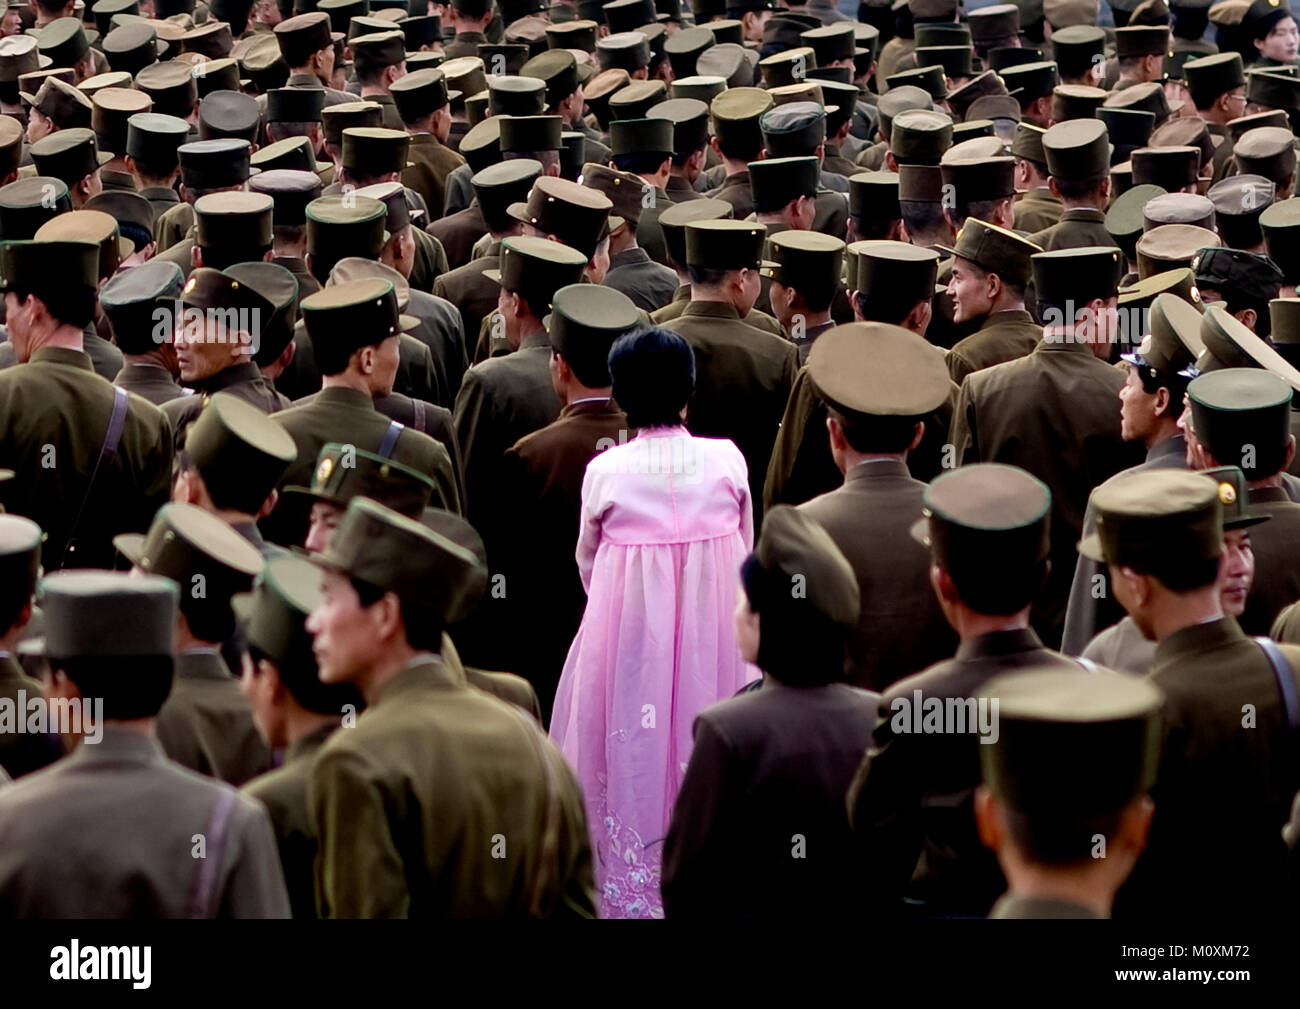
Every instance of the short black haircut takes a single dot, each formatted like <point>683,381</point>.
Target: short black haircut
<point>131,686</point>
<point>981,210</point>
<point>423,627</point>
<point>1058,840</point>
<point>741,149</point>
<point>332,358</point>
<point>706,276</point>
<point>1234,301</point>
<point>1076,189</point>
<point>680,159</point>
<point>152,170</point>
<point>883,306</point>
<point>72,306</point>
<point>871,228</point>
<point>302,679</point>
<point>1180,574</point>
<point>871,434</point>
<point>289,234</point>
<point>639,162</point>
<point>800,646</point>
<point>922,217</point>
<point>653,374</point>
<point>1019,579</point>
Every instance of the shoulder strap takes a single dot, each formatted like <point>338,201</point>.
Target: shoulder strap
<point>112,438</point>
<point>419,416</point>
<point>390,439</point>
<point>203,904</point>
<point>1285,680</point>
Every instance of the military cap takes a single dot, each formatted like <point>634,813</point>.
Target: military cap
<point>1273,90</point>
<point>295,105</point>
<point>476,108</point>
<point>213,39</point>
<point>536,268</point>
<point>1125,220</point>
<point>503,60</point>
<point>776,182</point>
<point>289,154</point>
<point>628,51</point>
<point>215,164</point>
<point>992,107</point>
<point>929,79</point>
<point>977,129</point>
<point>831,43</point>
<point>805,260</point>
<point>240,452</point>
<point>26,204</point>
<point>1004,57</point>
<point>724,245</point>
<point>342,11</point>
<point>344,472</point>
<point>1208,77</point>
<point>153,140</point>
<point>1171,168</point>
<point>1048,718</point>
<point>132,299</point>
<point>423,92</point>
<point>933,10</point>
<point>1239,200</point>
<point>648,135</point>
<point>392,195</point>
<point>690,122</point>
<point>920,137</point>
<point>575,214</point>
<point>11,145</point>
<point>1128,130</point>
<point>1066,13</point>
<point>789,67</point>
<point>132,47</point>
<point>994,250</point>
<point>64,41</point>
<point>420,31</point>
<point>112,79</point>
<point>356,313</point>
<point>1178,208</point>
<point>961,100</point>
<point>171,85</point>
<point>994,24</point>
<point>573,154</point>
<point>47,267</point>
<point>685,47</point>
<point>1142,293</point>
<point>600,89</point>
<point>557,70</point>
<point>378,50</point>
<point>20,550</point>
<point>920,183</point>
<point>1172,342</point>
<point>1031,80</point>
<point>1237,128</point>
<point>902,272</point>
<point>1170,246</point>
<point>1284,315</point>
<point>513,10</point>
<point>337,118</point>
<point>132,212</point>
<point>782,31</point>
<point>971,179</point>
<point>526,134</point>
<point>1231,344</point>
<point>1075,101</point>
<point>60,102</point>
<point>877,369</point>
<point>635,100</point>
<point>464,74</point>
<point>1148,97</point>
<point>1076,275</point>
<point>18,57</point>
<point>106,614</point>
<point>397,554</point>
<point>1243,414</point>
<point>953,61</point>
<point>873,196</point>
<point>1028,143</point>
<point>280,289</point>
<point>1077,150</point>
<point>499,186</point>
<point>1141,40</point>
<point>1076,49</point>
<point>340,226</point>
<point>481,144</point>
<point>1242,273</point>
<point>627,192</point>
<point>69,154</point>
<point>579,33</point>
<point>216,75</point>
<point>674,219</point>
<point>229,115</point>
<point>738,8</point>
<point>792,545</point>
<point>1268,151</point>
<point>93,226</point>
<point>898,100</point>
<point>370,151</point>
<point>302,35</point>
<point>584,322</point>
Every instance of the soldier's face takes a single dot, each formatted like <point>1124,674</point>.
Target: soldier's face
<point>1236,571</point>
<point>1136,408</point>
<point>203,350</point>
<point>387,359</point>
<point>1282,43</point>
<point>38,126</point>
<point>258,685</point>
<point>324,519</point>
<point>969,290</point>
<point>343,632</point>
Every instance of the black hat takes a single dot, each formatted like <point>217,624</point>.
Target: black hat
<point>585,321</point>
<point>1141,40</point>
<point>529,134</point>
<point>302,35</point>
<point>1034,80</point>
<point>153,140</point>
<point>295,105</point>
<point>342,11</point>
<point>420,93</point>
<point>234,223</point>
<point>69,155</point>
<point>649,136</point>
<point>1128,129</point>
<point>420,31</point>
<point>341,226</point>
<point>1211,76</point>
<point>971,180</point>
<point>499,186</point>
<point>1077,49</point>
<point>1243,414</point>
<point>1170,168</point>
<point>1238,273</point>
<point>228,115</point>
<point>502,60</point>
<point>369,152</point>
<point>1005,57</point>
<point>558,70</point>
<point>536,267</point>
<point>352,315</point>
<point>379,50</point>
<point>954,61</point>
<point>132,47</point>
<point>1075,101</point>
<point>1076,275</point>
<point>929,78</point>
<point>1078,150</point>
<point>107,613</point>
<point>873,196</point>
<point>724,245</point>
<point>215,164</point>
<point>674,219</point>
<point>775,182</point>
<point>171,85</point>
<point>131,299</point>
<point>806,260</point>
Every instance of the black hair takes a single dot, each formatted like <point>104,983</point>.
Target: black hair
<point>639,162</point>
<point>51,6</point>
<point>590,369</point>
<point>883,306</point>
<point>15,593</point>
<point>72,306</point>
<point>922,217</point>
<point>218,257</point>
<point>706,276</point>
<point>423,627</point>
<point>798,644</point>
<point>1057,840</point>
<point>1018,581</point>
<point>653,374</point>
<point>1180,574</point>
<point>289,234</point>
<point>1080,189</point>
<point>871,228</point>
<point>371,75</point>
<point>131,686</point>
<point>741,148</point>
<point>817,294</point>
<point>871,433</point>
<point>981,210</point>
<point>301,678</point>
<point>1130,62</point>
<point>1234,301</point>
<point>209,616</point>
<point>149,170</point>
<point>1190,22</point>
<point>680,159</point>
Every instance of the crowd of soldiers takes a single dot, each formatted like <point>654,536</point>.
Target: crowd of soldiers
<point>308,312</point>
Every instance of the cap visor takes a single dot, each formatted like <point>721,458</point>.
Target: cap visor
<point>519,211</point>
<point>493,275</point>
<point>1245,522</point>
<point>406,323</point>
<point>130,546</point>
<point>104,157</point>
<point>1090,547</point>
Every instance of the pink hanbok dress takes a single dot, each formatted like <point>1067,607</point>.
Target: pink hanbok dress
<point>666,524</point>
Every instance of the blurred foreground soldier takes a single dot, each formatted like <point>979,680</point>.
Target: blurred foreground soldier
<point>108,832</point>
<point>543,482</point>
<point>1161,534</point>
<point>910,805</point>
<point>1151,401</point>
<point>108,454</point>
<point>471,766</point>
<point>292,709</point>
<point>748,793</point>
<point>1078,161</point>
<point>132,299</point>
<point>20,559</point>
<point>1011,412</point>
<point>879,383</point>
<point>743,376</point>
<point>204,725</point>
<point>987,282</point>
<point>1067,832</point>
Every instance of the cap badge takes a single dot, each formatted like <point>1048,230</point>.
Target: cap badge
<point>324,470</point>
<point>1227,494</point>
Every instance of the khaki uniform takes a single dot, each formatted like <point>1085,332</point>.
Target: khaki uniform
<point>108,833</point>
<point>162,200</point>
<point>1015,413</point>
<point>679,190</point>
<point>735,190</point>
<point>172,226</point>
<point>1003,336</point>
<point>649,235</point>
<point>430,260</point>
<point>458,231</point>
<point>743,379</point>
<point>900,627</point>
<point>23,752</point>
<point>887,63</point>
<point>682,297</point>
<point>1276,544</point>
<point>428,163</point>
<point>243,380</point>
<point>474,294</point>
<point>56,408</point>
<point>479,780</point>
<point>206,725</point>
<point>1037,210</point>
<point>649,284</point>
<point>464,44</point>
<point>152,381</point>
<point>1222,158</point>
<point>835,162</point>
<point>1078,228</point>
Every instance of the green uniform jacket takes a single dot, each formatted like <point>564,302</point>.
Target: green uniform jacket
<point>172,226</point>
<point>283,792</point>
<point>1003,336</point>
<point>682,297</point>
<point>743,379</point>
<point>23,752</point>
<point>152,381</point>
<point>1037,210</point>
<point>895,49</point>
<point>205,723</point>
<point>112,832</point>
<point>1054,413</point>
<point>428,163</point>
<point>678,189</point>
<point>430,260</point>
<point>1276,544</point>
<point>162,200</point>
<point>1078,228</point>
<point>443,802</point>
<point>243,380</point>
<point>735,190</point>
<point>54,413</point>
<point>1224,784</point>
<point>911,802</point>
<point>901,629</point>
<point>649,284</point>
<point>416,376</point>
<point>649,235</point>
<point>464,44</point>
<point>474,294</point>
<point>457,232</point>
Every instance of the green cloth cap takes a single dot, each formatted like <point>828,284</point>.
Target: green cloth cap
<point>575,214</point>
<point>280,288</point>
<point>1076,275</point>
<point>240,452</point>
<point>776,182</point>
<point>920,137</point>
<point>791,546</point>
<point>378,51</point>
<point>107,614</point>
<point>903,273</point>
<point>635,100</point>
<point>47,268</point>
<point>344,472</point>
<point>171,85</point>
<point>1141,40</point>
<point>1078,150</point>
<point>970,180</point>
<point>690,119</point>
<point>1211,76</point>
<point>59,101</point>
<point>420,93</point>
<point>808,261</point>
<point>674,219</point>
<point>234,221</point>
<point>26,204</point>
<point>995,250</point>
<point>337,118</point>
<point>69,155</point>
<point>536,267</point>
<point>371,151</point>
<point>294,105</point>
<point>356,314</point>
<point>635,136</point>
<point>1077,47</point>
<point>215,164</point>
<point>735,116</point>
<point>1268,151</point>
<point>303,35</point>
<point>1239,202</point>
<point>291,190</point>
<point>1170,168</point>
<point>1243,416</point>
<point>1173,341</point>
<point>873,196</point>
<point>64,41</point>
<point>499,186</point>
<point>628,51</point>
<point>293,154</point>
<point>585,321</point>
<point>131,298</point>
<point>1148,97</point>
<point>1028,143</point>
<point>530,134</point>
<point>1150,520</point>
<point>1075,101</point>
<point>1280,223</point>
<point>1031,80</point>
<point>724,245</point>
<point>229,115</point>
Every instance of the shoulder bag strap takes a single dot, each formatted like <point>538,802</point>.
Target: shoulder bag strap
<point>390,439</point>
<point>112,438</point>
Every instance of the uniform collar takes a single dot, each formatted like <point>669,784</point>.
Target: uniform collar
<point>877,469</point>
<point>63,355</point>
<point>428,672</point>
<point>202,664</point>
<point>345,395</point>
<point>591,406</point>
<point>160,194</point>
<point>118,746</point>
<point>629,257</point>
<point>711,310</point>
<point>1083,214</point>
<point>305,81</point>
<point>1177,445</point>
<point>236,374</point>
<point>308,744</point>
<point>998,643</point>
<point>1195,639</point>
<point>535,339</point>
<point>1015,315</point>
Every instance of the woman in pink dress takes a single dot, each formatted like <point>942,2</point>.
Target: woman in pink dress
<point>666,523</point>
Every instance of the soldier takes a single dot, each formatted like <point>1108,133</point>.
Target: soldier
<point>738,140</point>
<point>1242,282</point>
<point>804,274</point>
<point>1161,535</point>
<point>207,167</point>
<point>1140,50</point>
<point>291,191</point>
<point>644,147</point>
<point>573,215</point>
<point>690,119</point>
<point>131,299</point>
<point>459,231</point>
<point>421,98</point>
<point>990,272</point>
<point>564,97</point>
<point>371,156</point>
<point>997,418</point>
<point>279,287</point>
<point>56,106</point>
<point>1270,152</point>
<point>1079,52</point>
<point>1151,401</point>
<point>1032,85</point>
<point>874,421</point>
<point>308,49</point>
<point>380,60</point>
<point>632,272</point>
<point>112,109</point>
<point>673,222</point>
<point>920,201</point>
<point>111,636</point>
<point>387,644</point>
<point>20,559</point>
<point>114,448</point>
<point>1046,837</point>
<point>73,157</point>
<point>1239,202</point>
<point>291,708</point>
<point>784,192</point>
<point>467,20</point>
<point>1078,158</point>
<point>987,529</point>
<point>152,140</point>
<point>1217,85</point>
<point>740,802</point>
<point>743,377</point>
<point>336,118</point>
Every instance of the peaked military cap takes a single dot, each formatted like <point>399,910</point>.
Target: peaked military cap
<point>977,179</point>
<point>1173,341</point>
<point>788,67</point>
<point>904,273</point>
<point>929,79</point>
<point>106,614</point>
<point>240,452</point>
<point>498,186</point>
<point>344,472</point>
<point>1077,275</point>
<point>61,102</point>
<point>627,192</point>
<point>370,151</point>
<point>26,204</point>
<point>995,250</point>
<point>584,322</point>
<point>724,245</point>
<point>793,544</point>
<point>1239,201</point>
<point>535,267</point>
<point>1170,246</point>
<point>1273,90</point>
<point>878,369</point>
<point>674,219</point>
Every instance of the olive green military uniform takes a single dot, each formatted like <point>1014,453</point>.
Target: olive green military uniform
<point>172,227</point>
<point>1003,336</point>
<point>429,162</point>
<point>243,380</point>
<point>1038,210</point>
<point>1077,228</point>
<point>162,200</point>
<point>646,281</point>
<point>473,293</point>
<point>152,381</point>
<point>22,752</point>
<point>682,297</point>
